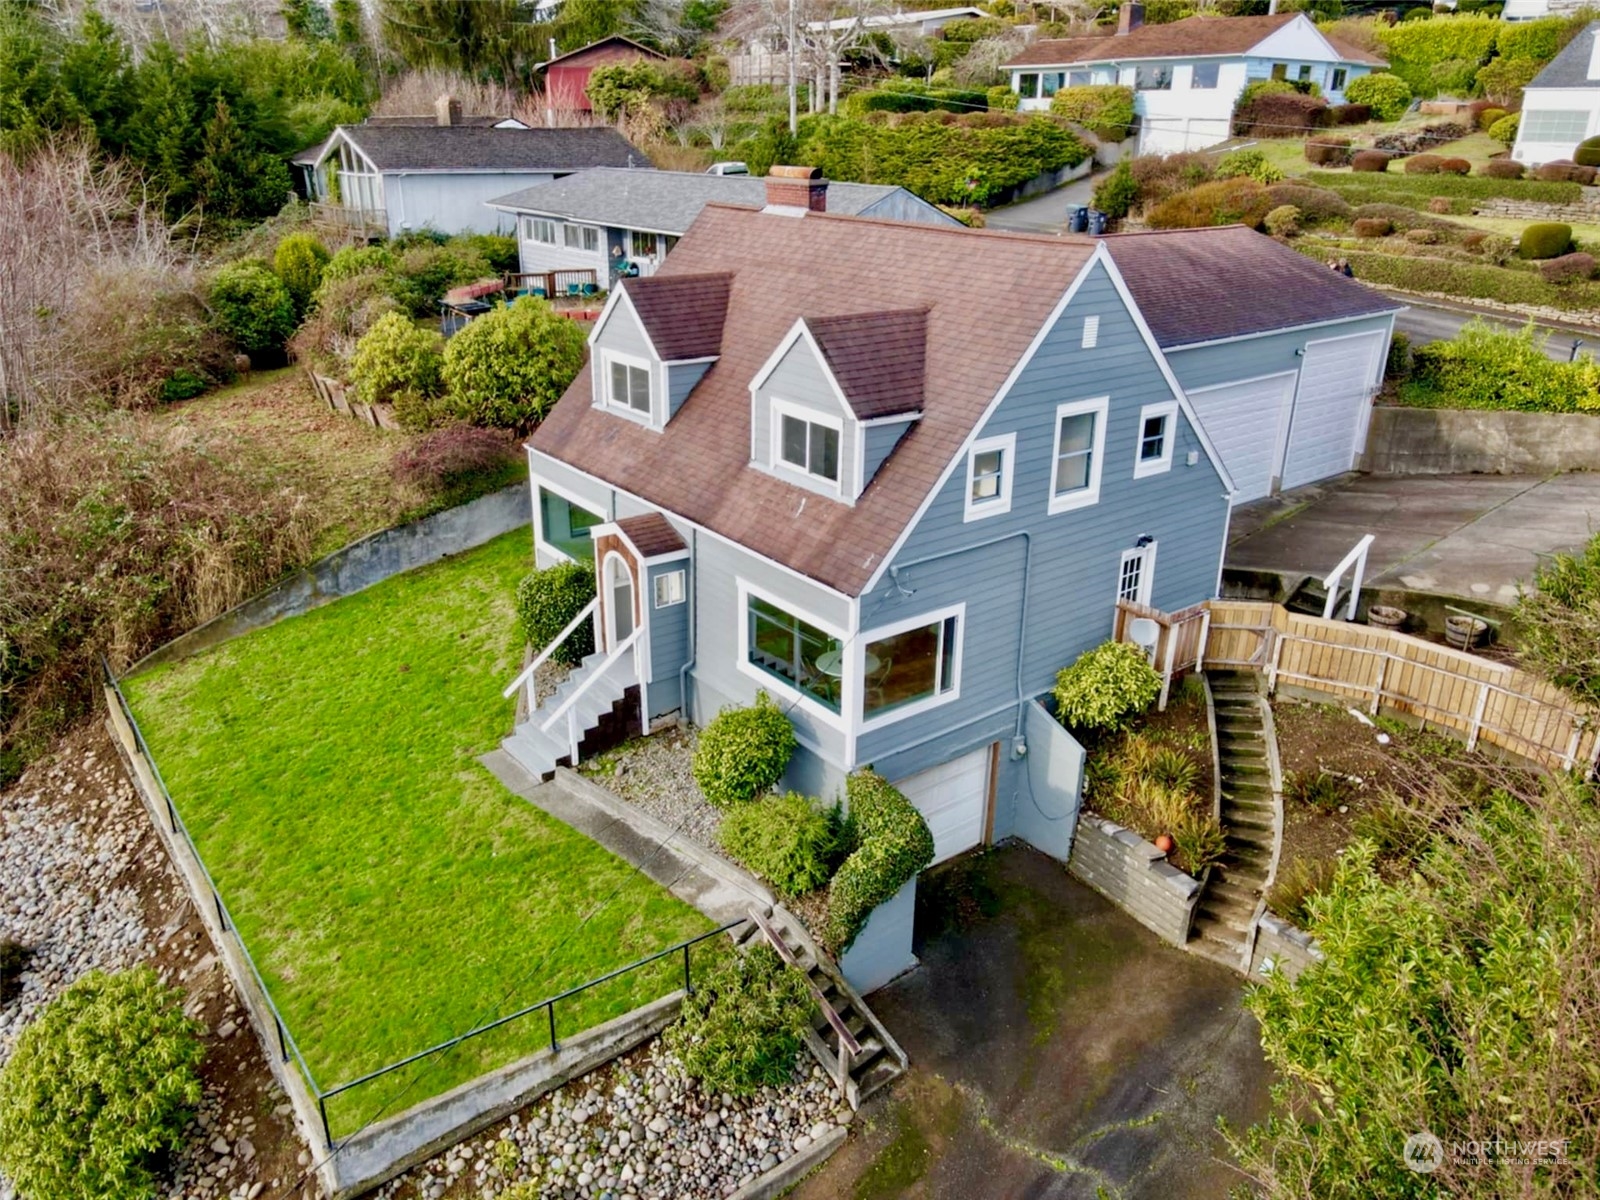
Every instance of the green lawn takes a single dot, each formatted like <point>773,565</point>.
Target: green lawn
<point>392,893</point>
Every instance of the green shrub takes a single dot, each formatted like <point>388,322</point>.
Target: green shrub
<point>743,752</point>
<point>1386,94</point>
<point>1106,687</point>
<point>1239,201</point>
<point>358,260</point>
<point>397,357</point>
<point>1321,791</point>
<point>742,1027</point>
<point>508,368</point>
<point>1416,192</point>
<point>1422,164</point>
<point>1422,237</point>
<point>99,1089</point>
<point>1197,842</point>
<point>1300,880</point>
<point>253,307</point>
<point>1317,205</point>
<point>1249,164</point>
<point>1283,221</point>
<point>1398,363</point>
<point>1488,367</point>
<point>1173,769</point>
<point>906,96</point>
<point>1505,129</point>
<point>1118,192</point>
<point>1489,116</point>
<point>1280,115</point>
<point>1497,247</point>
<point>423,274</point>
<point>1328,150</point>
<point>1471,280</point>
<point>891,845</point>
<point>1545,239</point>
<point>1588,153</point>
<point>547,601</point>
<point>299,261</point>
<point>1003,99</point>
<point>1105,110</point>
<point>787,840</point>
<point>1433,57</point>
<point>621,89</point>
<point>1559,621</point>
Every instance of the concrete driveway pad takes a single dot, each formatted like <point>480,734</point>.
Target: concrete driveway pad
<point>1059,1050</point>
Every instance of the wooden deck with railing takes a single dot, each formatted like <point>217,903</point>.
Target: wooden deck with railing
<point>577,284</point>
<point>372,222</point>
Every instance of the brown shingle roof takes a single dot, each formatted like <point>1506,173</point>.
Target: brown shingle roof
<point>651,534</point>
<point>1199,285</point>
<point>985,294</point>
<point>879,359</point>
<point>683,314</point>
<point>1189,38</point>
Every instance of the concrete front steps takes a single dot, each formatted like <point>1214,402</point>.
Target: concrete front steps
<point>607,715</point>
<point>1250,812</point>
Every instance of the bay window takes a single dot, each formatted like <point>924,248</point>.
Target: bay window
<point>791,649</point>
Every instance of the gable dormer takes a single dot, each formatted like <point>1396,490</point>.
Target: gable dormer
<point>835,398</point>
<point>654,341</point>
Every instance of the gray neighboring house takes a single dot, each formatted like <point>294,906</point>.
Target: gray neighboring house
<point>612,221</point>
<point>1279,355</point>
<point>388,177</point>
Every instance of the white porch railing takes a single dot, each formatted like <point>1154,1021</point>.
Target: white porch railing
<point>627,650</point>
<point>526,679</point>
<point>1358,559</point>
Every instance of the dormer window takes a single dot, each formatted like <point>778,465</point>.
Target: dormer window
<point>806,441</point>
<point>628,383</point>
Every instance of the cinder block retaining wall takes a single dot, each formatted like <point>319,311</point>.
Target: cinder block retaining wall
<point>1449,441</point>
<point>1135,876</point>
<point>1279,945</point>
<point>1585,212</point>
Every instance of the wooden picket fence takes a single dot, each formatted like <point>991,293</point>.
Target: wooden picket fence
<point>1378,669</point>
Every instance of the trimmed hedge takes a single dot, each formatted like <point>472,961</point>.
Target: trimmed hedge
<point>1278,115</point>
<point>1503,168</point>
<point>1564,171</point>
<point>1567,268</point>
<point>1422,164</point>
<point>1467,280</point>
<point>1413,192</point>
<point>1372,227</point>
<point>1455,166</point>
<point>1317,205</point>
<point>547,599</point>
<point>1329,150</point>
<point>743,752</point>
<point>1351,114</point>
<point>1370,160</point>
<point>1105,110</point>
<point>787,840</point>
<point>1430,57</point>
<point>1588,153</point>
<point>892,844</point>
<point>1545,239</point>
<point>1489,116</point>
<point>1383,94</point>
<point>742,1027</point>
<point>1236,201</point>
<point>1505,129</point>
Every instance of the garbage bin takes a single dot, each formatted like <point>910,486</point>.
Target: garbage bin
<point>1077,218</point>
<point>1097,222</point>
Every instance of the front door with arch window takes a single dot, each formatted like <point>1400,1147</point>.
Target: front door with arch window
<point>619,589</point>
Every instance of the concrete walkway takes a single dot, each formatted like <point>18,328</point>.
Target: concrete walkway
<point>1045,213</point>
<point>1470,536</point>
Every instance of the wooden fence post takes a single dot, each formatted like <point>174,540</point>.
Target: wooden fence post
<point>1377,687</point>
<point>1477,717</point>
<point>1200,647</point>
<point>1272,670</point>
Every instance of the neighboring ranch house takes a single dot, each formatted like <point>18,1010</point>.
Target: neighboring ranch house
<point>1280,356</point>
<point>566,77</point>
<point>622,223</point>
<point>898,501</point>
<point>388,178</point>
<point>1561,106</point>
<point>1187,75</point>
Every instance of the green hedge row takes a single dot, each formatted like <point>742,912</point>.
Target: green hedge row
<point>892,844</point>
<point>1492,368</point>
<point>1470,281</point>
<point>1403,189</point>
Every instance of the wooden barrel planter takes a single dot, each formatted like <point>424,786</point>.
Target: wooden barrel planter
<point>1384,616</point>
<point>1464,632</point>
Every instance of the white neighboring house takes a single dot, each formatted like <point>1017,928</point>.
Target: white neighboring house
<point>1561,106</point>
<point>1187,75</point>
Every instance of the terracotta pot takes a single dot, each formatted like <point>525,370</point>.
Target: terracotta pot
<point>1164,844</point>
<point>1464,632</point>
<point>1382,616</point>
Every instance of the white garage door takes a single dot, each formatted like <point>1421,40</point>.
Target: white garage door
<point>954,799</point>
<point>1336,379</point>
<point>1243,421</point>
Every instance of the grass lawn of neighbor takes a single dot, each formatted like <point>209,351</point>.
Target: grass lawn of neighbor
<point>391,891</point>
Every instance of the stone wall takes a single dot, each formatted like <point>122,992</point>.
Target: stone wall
<point>1448,441</point>
<point>1585,212</point>
<point>1280,946</point>
<point>1135,876</point>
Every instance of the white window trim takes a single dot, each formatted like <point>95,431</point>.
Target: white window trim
<point>781,408</point>
<point>681,575</point>
<point>1147,572</point>
<point>858,661</point>
<point>533,231</point>
<point>570,497</point>
<point>1083,497</point>
<point>977,510</point>
<point>603,383</point>
<point>1143,467</point>
<point>583,231</point>
<point>850,692</point>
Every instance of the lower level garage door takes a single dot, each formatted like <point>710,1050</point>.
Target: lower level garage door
<point>1336,380</point>
<point>954,799</point>
<point>1243,421</point>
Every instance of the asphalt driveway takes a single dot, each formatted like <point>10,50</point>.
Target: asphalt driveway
<point>1059,1050</point>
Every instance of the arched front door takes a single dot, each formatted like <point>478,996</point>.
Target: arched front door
<point>619,600</point>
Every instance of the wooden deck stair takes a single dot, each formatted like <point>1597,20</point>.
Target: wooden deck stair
<point>1251,810</point>
<point>849,1042</point>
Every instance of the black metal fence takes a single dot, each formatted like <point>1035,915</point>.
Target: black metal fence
<point>287,1047</point>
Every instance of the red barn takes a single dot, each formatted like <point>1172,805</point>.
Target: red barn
<point>566,78</point>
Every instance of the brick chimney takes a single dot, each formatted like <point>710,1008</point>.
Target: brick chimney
<point>447,110</point>
<point>1129,17</point>
<point>796,190</point>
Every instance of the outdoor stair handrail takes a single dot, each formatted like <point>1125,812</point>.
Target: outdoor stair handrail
<point>1358,558</point>
<point>544,655</point>
<point>566,707</point>
<point>849,1047</point>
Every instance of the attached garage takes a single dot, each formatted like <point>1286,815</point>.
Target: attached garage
<point>954,799</point>
<point>1337,379</point>
<point>1245,421</point>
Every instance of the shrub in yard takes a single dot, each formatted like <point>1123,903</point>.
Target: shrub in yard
<point>743,752</point>
<point>1503,168</point>
<point>1350,114</point>
<point>1300,880</point>
<point>1105,110</point>
<point>1118,192</point>
<point>1317,205</point>
<point>1588,153</point>
<point>1003,98</point>
<point>1250,164</point>
<point>457,463</point>
<point>397,358</point>
<point>1370,160</point>
<point>1497,247</point>
<point>1328,150</point>
<point>1439,204</point>
<point>358,260</point>
<point>1398,363</point>
<point>787,840</point>
<point>1319,790</point>
<point>509,367</point>
<point>1106,687</point>
<point>1239,201</point>
<point>1197,842</point>
<point>341,311</point>
<point>1504,130</point>
<point>1372,227</point>
<point>1421,237</point>
<point>253,307</point>
<point>1455,166</point>
<point>547,601</point>
<point>1559,619</point>
<point>1163,175</point>
<point>1173,769</point>
<point>891,843</point>
<point>741,1028</point>
<point>1564,171</point>
<point>1545,239</point>
<point>1386,95</point>
<point>1488,117</point>
<point>98,1089</point>
<point>1487,367</point>
<point>1567,268</point>
<point>1283,221</point>
<point>423,274</point>
<point>1279,114</point>
<point>1422,164</point>
<point>299,261</point>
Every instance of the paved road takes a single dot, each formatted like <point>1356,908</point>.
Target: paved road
<point>1045,213</point>
<point>1425,322</point>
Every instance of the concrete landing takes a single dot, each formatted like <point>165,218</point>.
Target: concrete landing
<point>688,870</point>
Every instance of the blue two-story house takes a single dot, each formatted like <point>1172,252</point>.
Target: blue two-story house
<point>899,502</point>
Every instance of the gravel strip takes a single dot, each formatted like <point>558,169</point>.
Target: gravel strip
<point>656,774</point>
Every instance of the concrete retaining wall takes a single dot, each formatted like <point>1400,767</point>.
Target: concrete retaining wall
<point>1449,441</point>
<point>360,565</point>
<point>1135,876</point>
<point>882,950</point>
<point>1280,946</point>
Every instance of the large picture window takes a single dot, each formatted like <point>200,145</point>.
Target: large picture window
<point>564,526</point>
<point>1553,126</point>
<point>791,649</point>
<point>1152,77</point>
<point>581,237</point>
<point>1204,76</point>
<point>911,665</point>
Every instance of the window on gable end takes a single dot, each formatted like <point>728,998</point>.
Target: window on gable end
<point>1079,451</point>
<point>1158,430</point>
<point>990,468</point>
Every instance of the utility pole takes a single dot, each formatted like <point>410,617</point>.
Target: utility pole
<point>794,121</point>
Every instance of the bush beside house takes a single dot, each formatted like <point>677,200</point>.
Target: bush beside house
<point>890,843</point>
<point>742,1027</point>
<point>1105,688</point>
<point>547,601</point>
<point>1488,367</point>
<point>1386,94</point>
<point>789,840</point>
<point>743,752</point>
<point>508,368</point>
<point>1105,110</point>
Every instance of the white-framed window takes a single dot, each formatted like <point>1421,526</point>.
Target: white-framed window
<point>1305,73</point>
<point>1158,430</point>
<point>1051,82</point>
<point>581,237</point>
<point>791,652</point>
<point>1204,75</point>
<point>911,666</point>
<point>564,523</point>
<point>806,441</point>
<point>539,229</point>
<point>627,383</point>
<point>1336,83</point>
<point>991,464</point>
<point>1028,85</point>
<point>1152,77</point>
<point>1079,448</point>
<point>1091,332</point>
<point>1553,125</point>
<point>669,588</point>
<point>1080,78</point>
<point>1136,571</point>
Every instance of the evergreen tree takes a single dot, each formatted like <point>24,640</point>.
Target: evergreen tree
<point>486,39</point>
<point>307,20</point>
<point>96,70</point>
<point>347,22</point>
